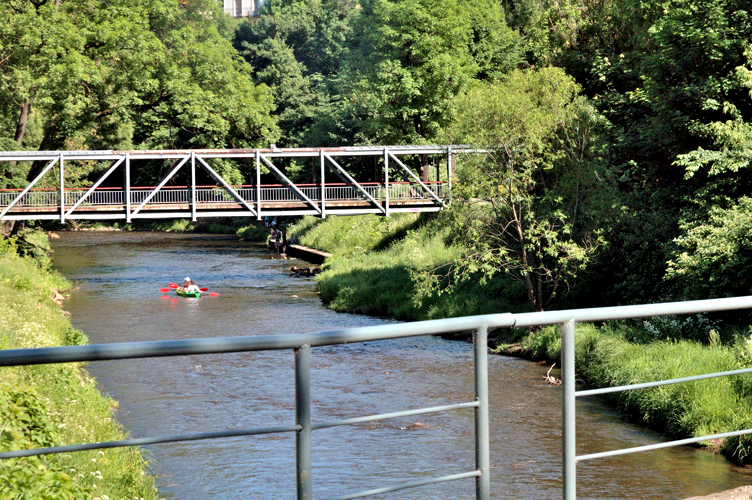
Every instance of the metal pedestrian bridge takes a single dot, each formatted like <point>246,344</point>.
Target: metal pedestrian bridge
<point>55,194</point>
<point>303,347</point>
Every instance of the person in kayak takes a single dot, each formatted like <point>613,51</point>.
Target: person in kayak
<point>192,287</point>
<point>189,286</point>
<point>185,285</point>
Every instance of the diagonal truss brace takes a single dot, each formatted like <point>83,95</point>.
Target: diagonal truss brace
<point>284,178</point>
<point>342,173</point>
<point>417,179</point>
<point>160,186</point>
<point>226,185</point>
<point>31,185</point>
<point>95,186</point>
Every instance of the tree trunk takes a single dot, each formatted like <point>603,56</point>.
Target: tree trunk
<point>22,121</point>
<point>6,228</point>
<point>425,169</point>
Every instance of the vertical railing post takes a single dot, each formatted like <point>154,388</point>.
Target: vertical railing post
<point>386,182</point>
<point>193,186</point>
<point>450,164</point>
<point>62,190</point>
<point>322,164</point>
<point>569,466</point>
<point>127,187</point>
<point>258,184</point>
<point>303,419</point>
<point>482,454</point>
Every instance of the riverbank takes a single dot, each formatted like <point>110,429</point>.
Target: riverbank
<point>53,405</point>
<point>376,269</point>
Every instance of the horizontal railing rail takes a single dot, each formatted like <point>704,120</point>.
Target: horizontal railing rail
<point>50,198</point>
<point>302,344</point>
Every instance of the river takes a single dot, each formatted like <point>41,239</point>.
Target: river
<point>118,276</point>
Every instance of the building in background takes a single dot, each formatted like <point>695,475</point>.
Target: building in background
<point>243,8</point>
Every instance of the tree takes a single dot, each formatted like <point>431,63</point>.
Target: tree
<point>714,257</point>
<point>411,58</point>
<point>535,204</point>
<point>124,74</point>
<point>296,48</point>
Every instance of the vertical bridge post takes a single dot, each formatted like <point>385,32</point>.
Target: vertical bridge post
<point>62,190</point>
<point>482,438</point>
<point>450,168</point>
<point>127,188</point>
<point>569,466</point>
<point>258,185</point>
<point>322,166</point>
<point>303,419</point>
<point>386,182</point>
<point>193,186</point>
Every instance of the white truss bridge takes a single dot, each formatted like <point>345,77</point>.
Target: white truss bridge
<point>399,189</point>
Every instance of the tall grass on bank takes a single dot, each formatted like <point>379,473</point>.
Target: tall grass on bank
<point>51,405</point>
<point>377,263</point>
<point>604,358</point>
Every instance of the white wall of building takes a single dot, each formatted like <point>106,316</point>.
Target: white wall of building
<point>243,8</point>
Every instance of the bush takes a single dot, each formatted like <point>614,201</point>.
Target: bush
<point>33,243</point>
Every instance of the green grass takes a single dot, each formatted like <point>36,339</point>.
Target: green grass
<point>52,405</point>
<point>378,264</point>
<point>605,358</point>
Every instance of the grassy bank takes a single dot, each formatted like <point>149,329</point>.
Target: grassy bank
<point>376,270</point>
<point>605,356</point>
<point>52,405</point>
<point>377,263</point>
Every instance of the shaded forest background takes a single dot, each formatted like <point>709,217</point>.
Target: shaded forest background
<point>621,128</point>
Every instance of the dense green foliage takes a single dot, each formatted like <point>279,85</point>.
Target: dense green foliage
<point>53,405</point>
<point>535,205</point>
<point>124,74</point>
<point>622,126</point>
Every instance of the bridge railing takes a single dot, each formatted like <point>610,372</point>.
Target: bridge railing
<point>303,344</point>
<point>50,198</point>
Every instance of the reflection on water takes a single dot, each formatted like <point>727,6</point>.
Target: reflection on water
<point>120,275</point>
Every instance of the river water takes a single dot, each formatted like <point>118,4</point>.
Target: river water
<point>118,299</point>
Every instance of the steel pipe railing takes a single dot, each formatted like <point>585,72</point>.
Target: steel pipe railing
<point>568,370</point>
<point>114,196</point>
<point>302,345</point>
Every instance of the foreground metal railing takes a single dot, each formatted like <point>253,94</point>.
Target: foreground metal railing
<point>303,344</point>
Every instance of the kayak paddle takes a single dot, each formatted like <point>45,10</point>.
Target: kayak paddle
<point>204,289</point>
<point>165,290</point>
<point>173,285</point>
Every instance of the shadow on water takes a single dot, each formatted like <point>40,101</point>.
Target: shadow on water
<point>119,300</point>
